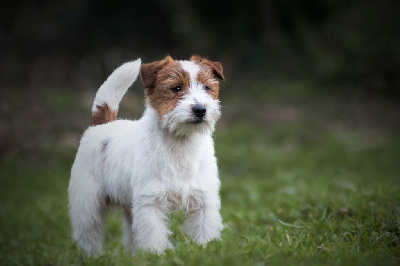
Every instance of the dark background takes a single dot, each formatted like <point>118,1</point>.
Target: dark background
<point>51,52</point>
<point>352,42</point>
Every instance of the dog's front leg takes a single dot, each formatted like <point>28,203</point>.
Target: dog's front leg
<point>203,220</point>
<point>149,224</point>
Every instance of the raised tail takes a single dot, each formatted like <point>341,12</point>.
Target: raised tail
<point>106,102</point>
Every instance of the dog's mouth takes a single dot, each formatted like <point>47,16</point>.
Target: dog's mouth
<point>196,121</point>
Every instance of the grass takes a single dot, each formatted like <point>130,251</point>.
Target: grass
<point>298,192</point>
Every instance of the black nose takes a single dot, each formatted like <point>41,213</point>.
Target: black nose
<point>199,110</point>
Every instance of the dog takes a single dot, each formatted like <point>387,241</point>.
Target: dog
<point>152,166</point>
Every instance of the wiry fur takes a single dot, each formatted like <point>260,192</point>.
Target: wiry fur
<point>149,167</point>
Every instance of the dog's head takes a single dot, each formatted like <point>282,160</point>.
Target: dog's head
<point>184,94</point>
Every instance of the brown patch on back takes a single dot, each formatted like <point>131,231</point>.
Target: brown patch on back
<point>104,145</point>
<point>168,75</point>
<point>103,115</point>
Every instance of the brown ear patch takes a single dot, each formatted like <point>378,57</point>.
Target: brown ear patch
<point>148,72</point>
<point>207,78</point>
<point>215,66</point>
<point>160,94</point>
<point>103,115</point>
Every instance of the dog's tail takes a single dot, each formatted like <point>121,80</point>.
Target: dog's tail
<point>106,102</point>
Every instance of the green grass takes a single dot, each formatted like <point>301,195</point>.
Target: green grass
<point>292,193</point>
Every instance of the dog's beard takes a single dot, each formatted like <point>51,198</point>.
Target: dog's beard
<point>182,122</point>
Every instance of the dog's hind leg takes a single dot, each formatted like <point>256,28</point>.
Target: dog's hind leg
<point>127,238</point>
<point>87,208</point>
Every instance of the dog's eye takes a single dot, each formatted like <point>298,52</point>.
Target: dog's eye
<point>176,89</point>
<point>206,88</point>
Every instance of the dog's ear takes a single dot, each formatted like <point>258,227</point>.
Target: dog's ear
<point>148,72</point>
<point>215,66</point>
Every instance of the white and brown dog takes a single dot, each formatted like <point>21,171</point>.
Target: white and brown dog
<point>160,163</point>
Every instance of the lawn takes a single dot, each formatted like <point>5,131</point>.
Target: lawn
<point>303,182</point>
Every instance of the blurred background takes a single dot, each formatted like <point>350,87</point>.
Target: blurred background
<point>278,56</point>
